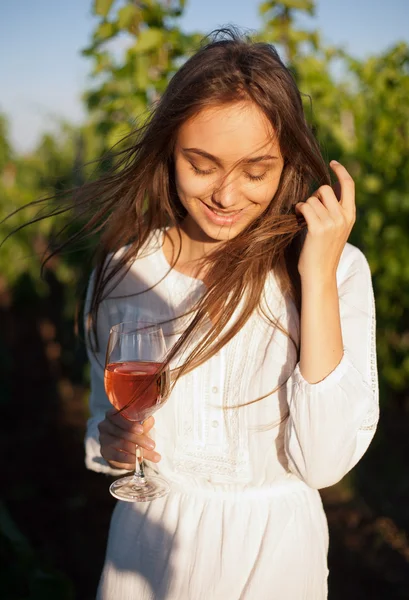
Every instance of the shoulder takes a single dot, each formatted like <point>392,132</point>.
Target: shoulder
<point>146,251</point>
<point>132,260</point>
<point>131,271</point>
<point>352,263</point>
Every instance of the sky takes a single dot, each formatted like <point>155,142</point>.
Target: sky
<point>43,75</point>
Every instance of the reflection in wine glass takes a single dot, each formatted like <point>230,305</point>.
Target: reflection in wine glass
<point>137,384</point>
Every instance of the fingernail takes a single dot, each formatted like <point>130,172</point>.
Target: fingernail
<point>334,162</point>
<point>156,457</point>
<point>138,429</point>
<point>150,444</point>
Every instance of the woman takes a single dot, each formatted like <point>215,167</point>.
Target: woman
<point>213,229</point>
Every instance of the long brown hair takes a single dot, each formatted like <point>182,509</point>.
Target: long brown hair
<point>140,195</point>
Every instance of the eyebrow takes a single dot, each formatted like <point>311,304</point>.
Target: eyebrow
<point>252,160</point>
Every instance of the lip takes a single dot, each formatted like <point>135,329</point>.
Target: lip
<point>227,219</point>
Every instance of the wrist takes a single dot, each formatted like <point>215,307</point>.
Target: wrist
<point>319,282</point>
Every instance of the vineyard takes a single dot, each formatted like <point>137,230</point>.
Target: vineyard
<point>54,515</point>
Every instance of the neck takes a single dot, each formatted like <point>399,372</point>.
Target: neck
<point>194,246</point>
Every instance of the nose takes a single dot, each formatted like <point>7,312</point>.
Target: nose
<point>226,193</point>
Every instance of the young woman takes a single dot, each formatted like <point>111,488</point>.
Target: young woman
<point>223,226</point>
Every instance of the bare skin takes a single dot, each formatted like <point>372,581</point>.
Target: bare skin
<point>227,159</point>
<point>330,220</point>
<point>226,181</point>
<point>118,438</point>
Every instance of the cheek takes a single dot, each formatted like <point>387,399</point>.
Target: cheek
<point>264,192</point>
<point>191,186</point>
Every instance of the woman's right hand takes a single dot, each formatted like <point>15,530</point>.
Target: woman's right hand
<point>119,437</point>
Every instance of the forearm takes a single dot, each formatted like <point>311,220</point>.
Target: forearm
<point>333,399</point>
<point>321,335</point>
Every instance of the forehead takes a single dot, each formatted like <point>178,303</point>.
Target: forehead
<point>229,132</point>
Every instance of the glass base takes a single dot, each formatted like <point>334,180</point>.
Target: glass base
<point>129,490</point>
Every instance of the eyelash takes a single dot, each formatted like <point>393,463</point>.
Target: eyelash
<point>209,171</point>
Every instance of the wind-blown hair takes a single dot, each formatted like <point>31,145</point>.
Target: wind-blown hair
<point>140,196</point>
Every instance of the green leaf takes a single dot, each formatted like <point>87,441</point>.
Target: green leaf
<point>105,31</point>
<point>372,183</point>
<point>102,7</point>
<point>307,6</point>
<point>149,39</point>
<point>375,221</point>
<point>88,51</point>
<point>303,5</point>
<point>128,17</point>
<point>264,7</point>
<point>93,99</point>
<point>141,75</point>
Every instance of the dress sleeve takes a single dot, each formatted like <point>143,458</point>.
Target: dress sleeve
<point>331,423</point>
<point>98,400</point>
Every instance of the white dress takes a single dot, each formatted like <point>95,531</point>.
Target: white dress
<point>244,519</point>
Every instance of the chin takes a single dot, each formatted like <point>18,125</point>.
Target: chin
<point>221,233</point>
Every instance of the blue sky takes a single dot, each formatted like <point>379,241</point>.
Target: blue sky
<point>43,74</point>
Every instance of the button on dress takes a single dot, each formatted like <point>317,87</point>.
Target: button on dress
<point>244,519</point>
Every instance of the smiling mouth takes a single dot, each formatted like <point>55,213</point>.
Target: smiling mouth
<point>221,213</point>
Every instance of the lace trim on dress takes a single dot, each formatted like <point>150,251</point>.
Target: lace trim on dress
<point>371,420</point>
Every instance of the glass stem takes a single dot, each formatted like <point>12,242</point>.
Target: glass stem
<point>139,475</point>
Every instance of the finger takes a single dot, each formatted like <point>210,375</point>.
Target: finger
<point>119,420</point>
<point>152,456</point>
<point>346,186</point>
<point>122,451</point>
<point>118,459</point>
<point>309,214</point>
<point>148,424</point>
<point>319,208</point>
<point>131,466</point>
<point>107,428</point>
<point>329,200</point>
<point>108,441</point>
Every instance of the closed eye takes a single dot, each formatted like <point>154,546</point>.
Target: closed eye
<point>201,171</point>
<point>256,177</point>
<point>210,171</point>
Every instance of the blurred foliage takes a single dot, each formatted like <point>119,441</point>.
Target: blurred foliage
<point>280,29</point>
<point>360,114</point>
<point>379,156</point>
<point>150,47</point>
<point>5,148</point>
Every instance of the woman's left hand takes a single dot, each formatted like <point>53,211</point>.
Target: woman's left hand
<point>330,216</point>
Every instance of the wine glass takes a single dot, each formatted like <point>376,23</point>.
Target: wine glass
<point>137,384</point>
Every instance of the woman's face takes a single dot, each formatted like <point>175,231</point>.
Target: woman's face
<point>228,166</point>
